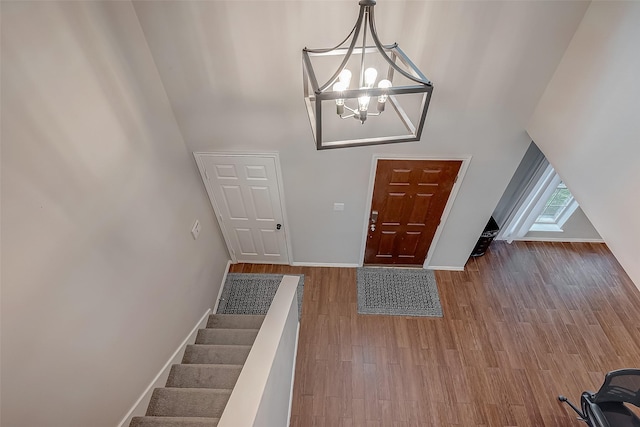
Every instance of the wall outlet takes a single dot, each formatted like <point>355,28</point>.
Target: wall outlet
<point>338,206</point>
<point>195,230</point>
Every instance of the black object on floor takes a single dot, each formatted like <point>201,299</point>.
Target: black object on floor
<point>487,236</point>
<point>606,408</point>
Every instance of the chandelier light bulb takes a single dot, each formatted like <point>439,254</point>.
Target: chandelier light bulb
<point>370,75</point>
<point>345,78</point>
<point>339,87</point>
<point>363,106</point>
<point>384,84</point>
<point>363,103</point>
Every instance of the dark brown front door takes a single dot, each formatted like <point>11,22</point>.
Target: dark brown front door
<point>409,197</point>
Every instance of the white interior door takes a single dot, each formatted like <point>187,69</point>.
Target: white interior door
<point>245,193</point>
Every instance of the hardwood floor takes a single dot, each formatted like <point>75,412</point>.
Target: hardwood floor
<point>522,324</point>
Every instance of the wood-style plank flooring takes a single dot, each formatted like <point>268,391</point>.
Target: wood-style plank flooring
<point>522,324</point>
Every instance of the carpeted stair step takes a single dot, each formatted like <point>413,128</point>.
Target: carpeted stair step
<point>216,354</point>
<point>235,321</point>
<point>204,376</point>
<point>188,402</point>
<point>198,390</point>
<point>227,336</point>
<point>173,422</point>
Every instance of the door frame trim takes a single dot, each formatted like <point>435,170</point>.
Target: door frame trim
<point>199,155</point>
<point>447,208</point>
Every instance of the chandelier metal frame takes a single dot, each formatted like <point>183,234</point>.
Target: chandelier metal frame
<point>315,94</point>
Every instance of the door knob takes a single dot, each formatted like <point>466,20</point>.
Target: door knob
<point>278,226</point>
<point>372,227</point>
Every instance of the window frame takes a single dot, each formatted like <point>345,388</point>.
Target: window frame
<point>566,212</point>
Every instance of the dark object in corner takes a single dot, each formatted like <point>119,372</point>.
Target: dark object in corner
<point>487,236</point>
<point>606,408</point>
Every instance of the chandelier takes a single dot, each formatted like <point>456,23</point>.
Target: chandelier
<point>344,113</point>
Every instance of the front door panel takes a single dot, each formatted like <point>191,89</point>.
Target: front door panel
<point>409,197</point>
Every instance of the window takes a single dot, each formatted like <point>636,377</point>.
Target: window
<point>546,204</point>
<point>557,209</point>
<point>560,199</point>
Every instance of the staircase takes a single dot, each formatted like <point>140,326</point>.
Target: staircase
<point>198,389</point>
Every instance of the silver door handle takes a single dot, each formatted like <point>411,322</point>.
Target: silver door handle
<point>374,217</point>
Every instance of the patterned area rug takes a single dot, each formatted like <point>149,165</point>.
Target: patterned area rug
<point>398,292</point>
<point>245,293</point>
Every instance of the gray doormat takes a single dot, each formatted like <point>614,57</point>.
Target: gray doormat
<point>398,292</point>
<point>245,293</point>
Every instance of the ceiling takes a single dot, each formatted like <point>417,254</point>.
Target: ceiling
<point>239,58</point>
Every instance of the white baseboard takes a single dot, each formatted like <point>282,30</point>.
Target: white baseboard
<point>140,407</point>
<point>224,279</point>
<point>559,239</point>
<point>325,264</point>
<point>351,265</point>
<point>445,267</point>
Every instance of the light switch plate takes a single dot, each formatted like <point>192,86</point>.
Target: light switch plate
<point>195,230</point>
<point>338,206</point>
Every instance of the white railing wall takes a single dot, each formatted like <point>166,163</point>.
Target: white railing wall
<point>262,395</point>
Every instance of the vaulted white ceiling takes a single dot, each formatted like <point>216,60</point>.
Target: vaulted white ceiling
<point>245,56</point>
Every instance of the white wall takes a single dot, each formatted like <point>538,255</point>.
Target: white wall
<point>587,125</point>
<point>101,279</point>
<point>233,73</point>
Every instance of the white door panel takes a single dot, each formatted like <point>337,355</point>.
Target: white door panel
<point>233,201</point>
<point>246,243</point>
<point>262,202</point>
<point>270,242</point>
<point>245,193</point>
